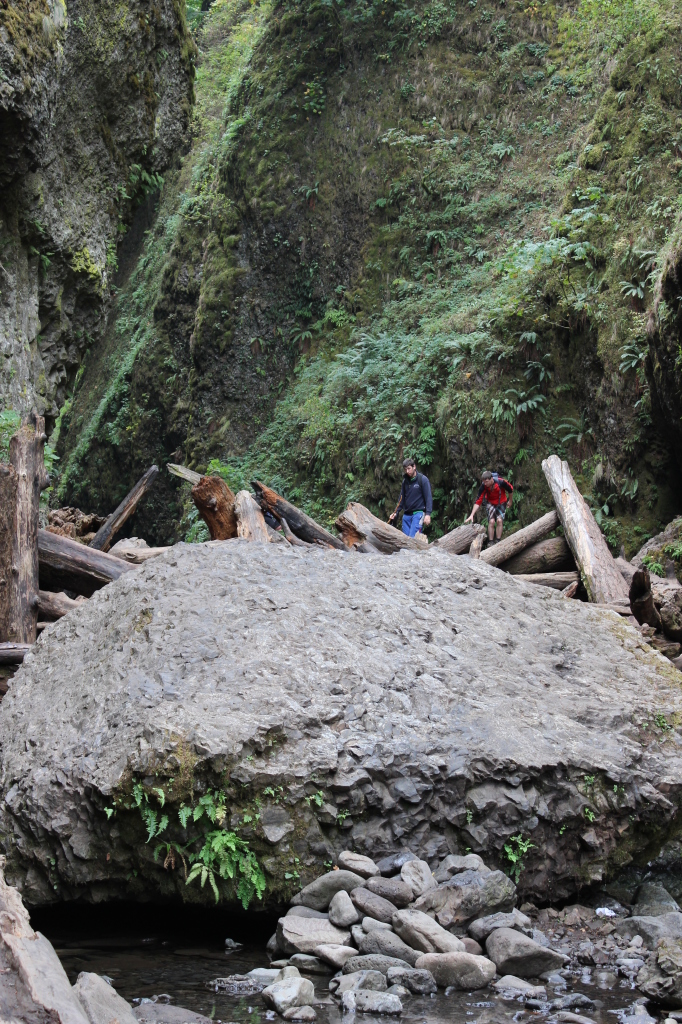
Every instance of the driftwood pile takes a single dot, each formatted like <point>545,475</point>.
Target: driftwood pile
<point>46,573</point>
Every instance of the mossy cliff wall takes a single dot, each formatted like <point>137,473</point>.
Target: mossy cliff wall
<point>95,97</point>
<point>431,229</point>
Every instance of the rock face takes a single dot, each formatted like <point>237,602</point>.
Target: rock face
<point>94,100</point>
<point>235,668</point>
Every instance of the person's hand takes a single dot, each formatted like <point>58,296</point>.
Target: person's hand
<point>391,517</point>
<point>469,519</point>
<point>427,520</point>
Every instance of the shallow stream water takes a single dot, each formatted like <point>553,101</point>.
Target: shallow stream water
<point>145,960</point>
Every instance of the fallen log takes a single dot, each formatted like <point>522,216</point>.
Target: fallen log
<point>571,590</point>
<point>215,502</point>
<point>511,546</point>
<point>550,555</point>
<point>458,541</point>
<point>184,473</point>
<point>291,537</point>
<point>362,530</point>
<point>557,580</point>
<point>67,565</point>
<point>13,654</point>
<point>103,537</point>
<point>250,522</point>
<point>620,607</point>
<point>476,545</point>
<point>20,489</point>
<point>599,572</point>
<point>55,606</point>
<point>642,600</point>
<point>300,524</point>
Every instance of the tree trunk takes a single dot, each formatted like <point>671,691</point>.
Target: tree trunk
<point>67,565</point>
<point>571,590</point>
<point>184,473</point>
<point>599,572</point>
<point>642,600</point>
<point>135,553</point>
<point>458,541</point>
<point>215,502</point>
<point>13,654</point>
<point>511,546</point>
<point>26,450</point>
<point>291,537</point>
<point>476,545</point>
<point>551,555</point>
<point>301,524</point>
<point>250,522</point>
<point>8,531</point>
<point>557,580</point>
<point>54,606</point>
<point>361,529</point>
<point>102,539</point>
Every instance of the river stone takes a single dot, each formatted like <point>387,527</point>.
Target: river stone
<point>309,964</point>
<point>357,933</point>
<point>289,992</point>
<point>101,1002</point>
<point>165,1013</point>
<point>320,892</point>
<point>653,900</point>
<point>229,654</point>
<point>305,934</point>
<point>421,932</point>
<point>481,928</point>
<point>462,970</point>
<point>471,946</point>
<point>300,1013</point>
<point>418,982</point>
<point>342,913</point>
<point>392,864</point>
<point>363,866</point>
<point>371,905</point>
<point>307,912</point>
<point>387,944</point>
<point>370,924</point>
<point>374,980</point>
<point>372,963</point>
<point>378,1002</point>
<point>417,874</point>
<point>454,865</point>
<point>652,929</point>
<point>514,953</point>
<point>662,980</point>
<point>509,983</point>
<point>392,889</point>
<point>469,894</point>
<point>337,956</point>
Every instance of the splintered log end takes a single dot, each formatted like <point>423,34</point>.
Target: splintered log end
<point>642,603</point>
<point>215,502</point>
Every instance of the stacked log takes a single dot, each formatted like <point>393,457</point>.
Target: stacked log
<point>362,530</point>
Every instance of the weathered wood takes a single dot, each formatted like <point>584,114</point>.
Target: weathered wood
<point>615,606</point>
<point>511,546</point>
<point>571,590</point>
<point>103,537</point>
<point>184,473</point>
<point>301,524</point>
<point>67,565</point>
<point>600,574</point>
<point>8,529</point>
<point>215,502</point>
<point>550,555</point>
<point>26,451</point>
<point>13,654</point>
<point>250,522</point>
<point>291,537</point>
<point>361,529</point>
<point>557,580</point>
<point>458,541</point>
<point>134,550</point>
<point>642,600</point>
<point>476,545</point>
<point>54,606</point>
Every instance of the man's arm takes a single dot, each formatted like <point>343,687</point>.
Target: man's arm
<point>428,500</point>
<point>400,501</point>
<point>477,504</point>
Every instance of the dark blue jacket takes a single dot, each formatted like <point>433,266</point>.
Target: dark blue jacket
<point>415,495</point>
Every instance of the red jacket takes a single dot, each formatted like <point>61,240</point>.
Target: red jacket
<point>495,495</point>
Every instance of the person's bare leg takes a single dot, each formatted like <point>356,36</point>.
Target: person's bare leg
<point>491,530</point>
<point>498,528</point>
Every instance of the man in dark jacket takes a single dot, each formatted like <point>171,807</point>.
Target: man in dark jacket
<point>494,493</point>
<point>415,500</point>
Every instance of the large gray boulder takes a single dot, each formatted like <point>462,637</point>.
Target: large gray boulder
<point>514,953</point>
<point>469,894</point>
<point>652,929</point>
<point>653,900</point>
<point>462,970</point>
<point>387,943</point>
<point>392,889</point>
<point>101,1002</point>
<point>305,934</point>
<point>289,992</point>
<point>481,928</point>
<point>421,932</point>
<point>320,892</point>
<point>239,667</point>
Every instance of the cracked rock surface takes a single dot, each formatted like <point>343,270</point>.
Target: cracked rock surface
<point>431,703</point>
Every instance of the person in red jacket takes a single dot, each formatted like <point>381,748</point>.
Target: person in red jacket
<point>495,491</point>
